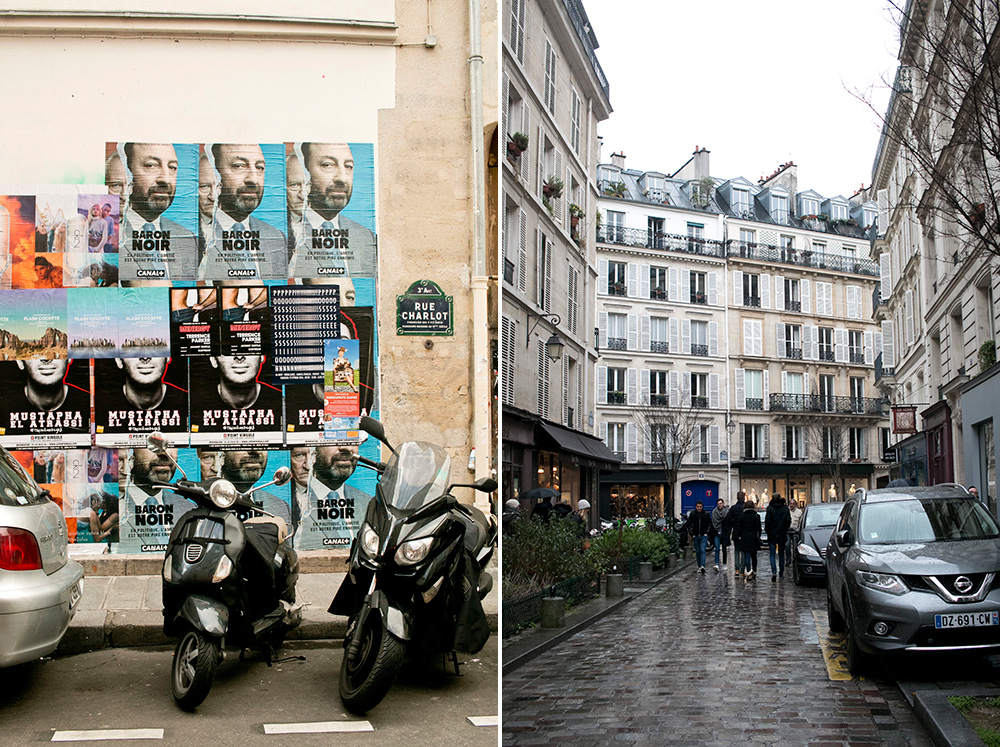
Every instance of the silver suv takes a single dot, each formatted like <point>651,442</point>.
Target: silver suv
<point>914,569</point>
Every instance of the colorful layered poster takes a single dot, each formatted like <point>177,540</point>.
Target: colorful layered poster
<point>149,514</point>
<point>144,322</point>
<point>135,396</point>
<point>244,239</point>
<point>330,493</point>
<point>91,238</point>
<point>331,210</point>
<point>33,324</point>
<point>92,316</point>
<point>17,242</point>
<point>45,402</point>
<point>158,241</point>
<point>358,323</point>
<point>194,321</point>
<point>60,234</point>
<point>233,401</point>
<point>248,469</point>
<point>304,407</point>
<point>246,321</point>
<point>342,380</point>
<point>303,318</point>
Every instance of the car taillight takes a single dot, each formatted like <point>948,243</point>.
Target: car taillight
<point>19,550</point>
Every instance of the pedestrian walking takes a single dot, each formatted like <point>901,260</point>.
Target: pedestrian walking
<point>699,524</point>
<point>732,519</point>
<point>543,509</point>
<point>580,516</point>
<point>776,523</point>
<point>793,531</point>
<point>511,514</point>
<point>721,540</point>
<point>748,531</point>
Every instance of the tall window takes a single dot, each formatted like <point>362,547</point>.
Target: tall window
<point>659,335</point>
<point>751,290</point>
<point>659,394</point>
<point>753,441</point>
<point>793,442</point>
<point>856,443</point>
<point>615,231</point>
<point>779,208</point>
<point>826,344</point>
<point>699,390</point>
<point>549,92</point>
<point>574,135</point>
<point>616,439</point>
<point>831,438</point>
<point>793,341</point>
<point>753,381</point>
<point>699,337</point>
<point>659,442</point>
<point>655,232</point>
<point>748,240</point>
<point>658,283</point>
<point>616,279</point>
<point>826,393</point>
<point>857,394</point>
<point>793,301</point>
<point>616,386</point>
<point>741,203</point>
<point>794,386</point>
<point>855,344</point>
<point>699,289</point>
<point>696,237</point>
<point>617,339</point>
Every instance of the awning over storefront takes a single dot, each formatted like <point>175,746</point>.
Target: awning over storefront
<point>635,477</point>
<point>588,447</point>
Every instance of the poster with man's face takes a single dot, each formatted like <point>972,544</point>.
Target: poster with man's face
<point>158,232</point>
<point>248,468</point>
<point>135,396</point>
<point>148,514</point>
<point>243,226</point>
<point>233,402</point>
<point>45,402</point>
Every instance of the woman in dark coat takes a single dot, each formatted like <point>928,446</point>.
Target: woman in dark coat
<point>747,534</point>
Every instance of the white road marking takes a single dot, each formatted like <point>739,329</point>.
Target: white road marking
<point>484,720</point>
<point>97,735</point>
<point>318,727</point>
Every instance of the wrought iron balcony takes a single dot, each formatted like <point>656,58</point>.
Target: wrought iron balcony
<point>617,289</point>
<point>659,346</point>
<point>858,359</point>
<point>877,299</point>
<point>697,401</point>
<point>643,238</point>
<point>699,349</point>
<point>818,260</point>
<point>755,403</point>
<point>658,294</point>
<point>705,458</point>
<point>617,343</point>
<point>813,403</point>
<point>794,353</point>
<point>659,400</point>
<point>753,301</point>
<point>616,398</point>
<point>883,371</point>
<point>826,355</point>
<point>699,298</point>
<point>793,305</point>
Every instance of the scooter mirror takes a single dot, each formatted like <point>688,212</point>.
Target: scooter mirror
<point>282,475</point>
<point>156,442</point>
<point>373,427</point>
<point>486,484</point>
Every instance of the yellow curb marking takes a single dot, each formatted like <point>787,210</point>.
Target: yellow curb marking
<point>832,645</point>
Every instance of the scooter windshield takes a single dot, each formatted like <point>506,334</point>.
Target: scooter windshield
<point>415,475</point>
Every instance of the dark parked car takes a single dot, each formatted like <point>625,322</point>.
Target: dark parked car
<point>809,550</point>
<point>914,569</point>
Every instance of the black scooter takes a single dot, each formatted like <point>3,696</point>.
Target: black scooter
<point>417,571</point>
<point>226,582</point>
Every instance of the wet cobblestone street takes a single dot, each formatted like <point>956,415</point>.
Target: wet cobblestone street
<point>703,660</point>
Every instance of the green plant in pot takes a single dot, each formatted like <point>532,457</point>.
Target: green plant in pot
<point>517,144</point>
<point>553,187</point>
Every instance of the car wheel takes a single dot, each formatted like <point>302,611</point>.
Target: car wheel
<point>857,660</point>
<point>836,621</point>
<point>797,574</point>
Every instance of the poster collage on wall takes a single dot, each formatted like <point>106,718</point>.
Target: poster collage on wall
<point>222,294</point>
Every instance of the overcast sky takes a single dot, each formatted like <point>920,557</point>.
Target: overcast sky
<point>757,83</point>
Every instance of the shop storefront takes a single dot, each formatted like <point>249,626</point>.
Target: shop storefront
<point>981,396</point>
<point>804,483</point>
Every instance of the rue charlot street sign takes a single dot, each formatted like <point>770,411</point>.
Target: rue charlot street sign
<point>425,310</point>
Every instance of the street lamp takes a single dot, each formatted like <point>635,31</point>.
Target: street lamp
<point>553,346</point>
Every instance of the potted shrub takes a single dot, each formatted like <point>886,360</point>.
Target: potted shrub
<point>517,144</point>
<point>987,355</point>
<point>553,187</point>
<point>575,213</point>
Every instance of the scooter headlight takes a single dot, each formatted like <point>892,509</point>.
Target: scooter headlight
<point>369,540</point>
<point>168,570</point>
<point>413,551</point>
<point>223,493</point>
<point>222,570</point>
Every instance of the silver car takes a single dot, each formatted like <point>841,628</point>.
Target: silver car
<point>914,569</point>
<point>40,587</point>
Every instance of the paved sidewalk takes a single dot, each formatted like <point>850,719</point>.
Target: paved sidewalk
<point>127,610</point>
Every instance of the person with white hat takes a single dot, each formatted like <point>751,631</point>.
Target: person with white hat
<point>580,516</point>
<point>511,514</point>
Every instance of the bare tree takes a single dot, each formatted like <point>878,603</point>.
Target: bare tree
<point>831,442</point>
<point>673,430</point>
<point>944,115</point>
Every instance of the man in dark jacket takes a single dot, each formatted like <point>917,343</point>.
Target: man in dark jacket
<point>729,529</point>
<point>543,509</point>
<point>776,523</point>
<point>699,525</point>
<point>747,529</point>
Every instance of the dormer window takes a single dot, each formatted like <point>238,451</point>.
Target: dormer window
<point>779,208</point>
<point>838,211</point>
<point>810,206</point>
<point>869,215</point>
<point>741,201</point>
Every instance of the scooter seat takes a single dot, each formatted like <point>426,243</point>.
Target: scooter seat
<point>276,520</point>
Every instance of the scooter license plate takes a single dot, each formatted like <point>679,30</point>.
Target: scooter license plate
<point>967,620</point>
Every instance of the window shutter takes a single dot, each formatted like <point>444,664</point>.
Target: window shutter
<point>888,344</point>
<point>684,292</point>
<point>713,288</point>
<point>644,387</point>
<point>779,293</point>
<point>758,342</point>
<point>779,340</point>
<point>840,345</point>
<point>505,103</point>
<point>540,267</point>
<point>741,390</point>
<point>908,310</point>
<point>883,210</point>
<point>543,381</point>
<point>765,390</point>
<point>737,288</point>
<point>557,202</point>
<point>644,281</point>
<point>685,388</point>
<point>647,444</point>
<point>743,442</point>
<point>672,283</point>
<point>526,129</point>
<point>602,276</point>
<point>602,330</point>
<point>713,338</point>
<point>548,276</point>
<point>675,389</point>
<point>713,444</point>
<point>522,251</point>
<point>747,337</point>
<point>633,332</point>
<point>644,333</point>
<point>713,391</point>
<point>869,349</point>
<point>765,291</point>
<point>508,363</point>
<point>766,432</point>
<point>602,431</point>
<point>565,391</point>
<point>602,385</point>
<point>632,279</point>
<point>686,336</point>
<point>784,382</point>
<point>632,386</point>
<point>540,176</point>
<point>804,295</point>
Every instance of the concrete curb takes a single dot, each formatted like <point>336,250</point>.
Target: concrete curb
<point>517,653</point>
<point>943,722</point>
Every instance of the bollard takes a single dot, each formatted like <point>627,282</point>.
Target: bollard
<point>553,612</point>
<point>615,585</point>
<point>645,571</point>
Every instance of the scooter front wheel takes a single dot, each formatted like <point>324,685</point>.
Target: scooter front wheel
<point>195,661</point>
<point>366,681</point>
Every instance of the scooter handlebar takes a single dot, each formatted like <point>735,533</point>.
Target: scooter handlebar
<point>377,466</point>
